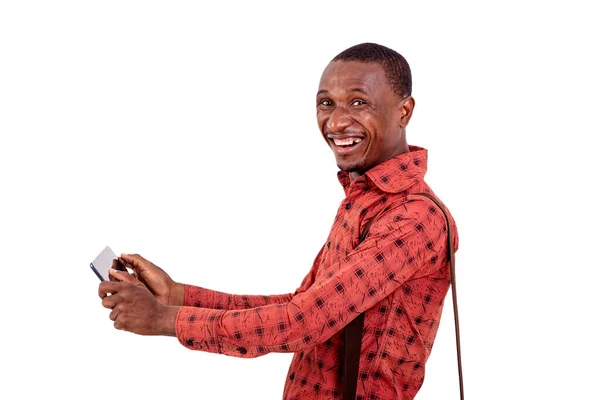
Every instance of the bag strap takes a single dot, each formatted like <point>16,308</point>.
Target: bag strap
<point>353,340</point>
<point>353,331</point>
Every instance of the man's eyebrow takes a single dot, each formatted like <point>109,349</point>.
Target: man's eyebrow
<point>356,89</point>
<point>360,90</point>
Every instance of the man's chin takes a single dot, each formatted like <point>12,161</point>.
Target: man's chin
<point>350,168</point>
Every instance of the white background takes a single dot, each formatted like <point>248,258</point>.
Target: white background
<point>186,132</point>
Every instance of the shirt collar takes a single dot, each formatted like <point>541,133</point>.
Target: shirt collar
<point>396,174</point>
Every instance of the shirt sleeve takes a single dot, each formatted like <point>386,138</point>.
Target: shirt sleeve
<point>407,239</point>
<point>195,296</point>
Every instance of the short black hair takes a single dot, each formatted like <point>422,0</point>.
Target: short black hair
<point>397,70</point>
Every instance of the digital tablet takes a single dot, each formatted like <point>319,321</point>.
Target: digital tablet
<point>102,263</point>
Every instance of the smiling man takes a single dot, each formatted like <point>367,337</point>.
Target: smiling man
<point>386,257</point>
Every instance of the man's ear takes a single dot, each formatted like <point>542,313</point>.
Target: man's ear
<point>407,105</point>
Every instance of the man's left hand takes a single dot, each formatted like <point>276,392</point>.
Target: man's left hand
<point>135,309</point>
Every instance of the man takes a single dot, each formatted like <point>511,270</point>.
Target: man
<point>398,274</point>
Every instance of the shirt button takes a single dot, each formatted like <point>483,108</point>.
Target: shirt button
<point>242,350</point>
<point>348,206</point>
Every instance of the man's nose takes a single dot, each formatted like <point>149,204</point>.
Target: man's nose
<point>339,119</point>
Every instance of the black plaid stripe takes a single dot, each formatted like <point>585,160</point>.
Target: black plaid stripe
<point>319,302</point>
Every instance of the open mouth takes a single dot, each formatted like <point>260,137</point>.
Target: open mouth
<point>346,144</point>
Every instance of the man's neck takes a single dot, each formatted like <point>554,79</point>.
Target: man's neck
<point>354,174</point>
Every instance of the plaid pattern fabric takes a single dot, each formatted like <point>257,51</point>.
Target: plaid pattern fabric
<point>399,275</point>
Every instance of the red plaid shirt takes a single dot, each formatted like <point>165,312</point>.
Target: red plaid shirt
<point>399,275</point>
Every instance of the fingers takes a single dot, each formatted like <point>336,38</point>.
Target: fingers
<point>119,265</point>
<point>114,314</point>
<point>118,322</point>
<point>137,262</point>
<point>121,276</point>
<point>111,302</point>
<point>108,287</point>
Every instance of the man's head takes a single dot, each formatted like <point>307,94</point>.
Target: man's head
<point>363,106</point>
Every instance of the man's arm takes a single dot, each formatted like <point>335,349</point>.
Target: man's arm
<point>407,240</point>
<point>171,293</point>
<point>195,296</point>
<point>137,308</point>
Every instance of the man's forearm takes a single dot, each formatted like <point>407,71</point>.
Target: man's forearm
<point>195,296</point>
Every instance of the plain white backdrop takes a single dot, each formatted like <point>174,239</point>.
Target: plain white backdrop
<point>186,132</point>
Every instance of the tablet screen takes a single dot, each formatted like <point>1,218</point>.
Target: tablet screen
<point>103,262</point>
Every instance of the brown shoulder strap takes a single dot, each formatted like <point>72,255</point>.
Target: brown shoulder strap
<point>453,285</point>
<point>353,331</point>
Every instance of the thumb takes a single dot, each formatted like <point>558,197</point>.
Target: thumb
<point>135,261</point>
<point>122,276</point>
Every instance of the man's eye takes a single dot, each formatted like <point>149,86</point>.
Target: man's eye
<point>358,102</point>
<point>325,102</point>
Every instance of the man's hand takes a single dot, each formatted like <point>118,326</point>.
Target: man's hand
<point>135,309</point>
<point>160,284</point>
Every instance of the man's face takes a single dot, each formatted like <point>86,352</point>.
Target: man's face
<point>360,116</point>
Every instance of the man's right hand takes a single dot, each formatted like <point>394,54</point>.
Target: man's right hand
<point>160,284</point>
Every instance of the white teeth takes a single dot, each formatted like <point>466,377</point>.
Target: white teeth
<point>347,141</point>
